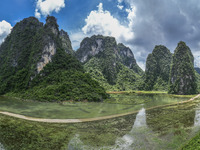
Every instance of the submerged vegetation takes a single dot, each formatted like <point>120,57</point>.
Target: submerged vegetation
<point>156,126</point>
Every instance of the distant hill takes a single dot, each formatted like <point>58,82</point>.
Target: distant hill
<point>157,69</point>
<point>183,80</point>
<point>111,64</point>
<point>37,62</point>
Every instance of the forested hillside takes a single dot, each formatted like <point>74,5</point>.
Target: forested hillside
<point>111,64</point>
<point>37,62</point>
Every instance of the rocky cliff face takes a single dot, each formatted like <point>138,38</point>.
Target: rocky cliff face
<point>182,75</point>
<point>51,25</point>
<point>127,58</point>
<point>157,69</point>
<point>18,46</point>
<point>48,52</point>
<point>104,59</point>
<point>66,42</point>
<point>49,43</point>
<point>31,43</point>
<point>90,47</point>
<point>39,57</point>
<point>96,45</point>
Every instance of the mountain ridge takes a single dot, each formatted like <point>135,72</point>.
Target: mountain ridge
<point>157,69</point>
<point>106,61</point>
<point>37,62</point>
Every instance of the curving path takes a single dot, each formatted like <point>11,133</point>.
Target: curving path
<point>88,119</point>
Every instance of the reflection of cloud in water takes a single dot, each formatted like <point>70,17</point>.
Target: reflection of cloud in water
<point>197,118</point>
<point>1,147</point>
<point>77,144</point>
<point>140,120</point>
<point>128,140</point>
<point>140,137</point>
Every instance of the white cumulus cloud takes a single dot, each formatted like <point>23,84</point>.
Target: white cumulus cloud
<point>131,15</point>
<point>120,6</point>
<point>76,38</point>
<point>102,22</point>
<point>120,1</point>
<point>5,29</point>
<point>46,7</point>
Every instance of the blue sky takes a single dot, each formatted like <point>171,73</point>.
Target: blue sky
<point>70,17</point>
<point>139,24</point>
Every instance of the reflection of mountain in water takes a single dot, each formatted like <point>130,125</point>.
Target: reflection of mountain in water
<point>140,137</point>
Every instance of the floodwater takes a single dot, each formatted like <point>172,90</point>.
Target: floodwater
<point>167,127</point>
<point>118,104</point>
<point>1,147</point>
<point>150,127</point>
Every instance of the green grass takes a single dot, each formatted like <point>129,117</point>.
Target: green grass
<point>139,92</point>
<point>152,92</point>
<point>193,144</point>
<point>184,96</point>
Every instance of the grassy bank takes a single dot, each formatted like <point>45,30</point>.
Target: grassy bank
<point>138,92</point>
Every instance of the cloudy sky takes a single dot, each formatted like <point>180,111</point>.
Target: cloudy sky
<point>139,24</point>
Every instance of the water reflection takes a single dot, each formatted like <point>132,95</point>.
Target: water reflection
<point>197,117</point>
<point>140,120</point>
<point>136,135</point>
<point>170,122</point>
<point>140,137</point>
<point>1,147</point>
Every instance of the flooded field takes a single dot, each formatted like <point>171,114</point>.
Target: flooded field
<point>1,147</point>
<point>117,104</point>
<point>150,127</point>
<point>160,128</point>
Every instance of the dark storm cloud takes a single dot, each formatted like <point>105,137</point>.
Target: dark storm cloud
<point>165,22</point>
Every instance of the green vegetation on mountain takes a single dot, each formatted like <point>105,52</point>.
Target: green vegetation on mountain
<point>182,74</point>
<point>37,62</point>
<point>17,55</point>
<point>157,69</point>
<point>64,79</point>
<point>112,65</point>
<point>66,43</point>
